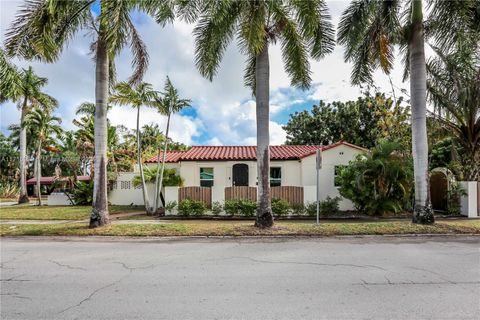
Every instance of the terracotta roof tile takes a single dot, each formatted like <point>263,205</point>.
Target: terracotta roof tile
<point>207,153</point>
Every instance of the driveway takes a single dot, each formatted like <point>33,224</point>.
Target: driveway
<point>347,278</point>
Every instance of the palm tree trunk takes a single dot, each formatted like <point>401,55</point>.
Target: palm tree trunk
<point>422,212</point>
<point>99,215</point>
<point>148,209</point>
<point>39,172</point>
<point>23,198</point>
<point>262,77</point>
<point>159,177</point>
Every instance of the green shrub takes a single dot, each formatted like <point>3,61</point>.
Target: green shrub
<point>170,206</point>
<point>298,209</point>
<point>453,197</point>
<point>9,190</point>
<point>280,207</point>
<point>82,193</point>
<point>241,207</point>
<point>311,209</point>
<point>329,206</point>
<point>378,181</point>
<point>189,207</point>
<point>216,208</point>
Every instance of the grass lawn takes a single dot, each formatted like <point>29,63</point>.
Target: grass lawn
<point>244,229</point>
<point>28,212</point>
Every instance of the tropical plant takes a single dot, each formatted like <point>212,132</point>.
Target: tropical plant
<point>43,28</point>
<point>370,29</point>
<point>44,126</point>
<point>170,177</point>
<point>25,88</point>
<point>241,207</point>
<point>169,104</point>
<point>378,181</point>
<point>8,190</point>
<point>170,206</point>
<point>454,88</point>
<point>8,160</point>
<point>303,28</point>
<point>82,193</point>
<point>141,94</point>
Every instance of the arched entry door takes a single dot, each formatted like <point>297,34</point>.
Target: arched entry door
<point>240,175</point>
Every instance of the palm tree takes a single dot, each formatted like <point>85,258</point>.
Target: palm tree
<point>142,94</point>
<point>454,89</point>
<point>303,28</point>
<point>370,29</point>
<point>43,28</point>
<point>44,125</point>
<point>24,88</point>
<point>169,104</point>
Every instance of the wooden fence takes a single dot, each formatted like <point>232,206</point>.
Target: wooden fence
<point>203,194</point>
<point>294,195</point>
<point>234,193</point>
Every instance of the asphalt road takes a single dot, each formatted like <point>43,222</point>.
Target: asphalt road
<point>366,278</point>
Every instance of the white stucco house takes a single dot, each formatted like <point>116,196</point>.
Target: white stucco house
<point>224,170</point>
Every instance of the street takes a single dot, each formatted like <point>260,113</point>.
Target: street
<point>325,278</point>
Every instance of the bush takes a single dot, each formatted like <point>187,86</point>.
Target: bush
<point>329,206</point>
<point>241,207</point>
<point>189,207</point>
<point>9,190</point>
<point>453,197</point>
<point>216,208</point>
<point>311,209</point>
<point>82,193</point>
<point>378,181</point>
<point>170,206</point>
<point>298,209</point>
<point>280,207</point>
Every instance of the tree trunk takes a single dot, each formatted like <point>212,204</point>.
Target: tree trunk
<point>23,198</point>
<point>262,77</point>
<point>38,173</point>
<point>146,201</point>
<point>159,177</point>
<point>99,215</point>
<point>422,212</point>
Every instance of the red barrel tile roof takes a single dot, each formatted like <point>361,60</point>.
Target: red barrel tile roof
<point>219,153</point>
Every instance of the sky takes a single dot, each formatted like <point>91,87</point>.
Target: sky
<point>222,111</point>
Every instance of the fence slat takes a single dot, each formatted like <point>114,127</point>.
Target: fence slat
<point>235,193</point>
<point>293,195</point>
<point>203,194</point>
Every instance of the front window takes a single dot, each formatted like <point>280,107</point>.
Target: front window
<point>206,177</point>
<point>275,177</point>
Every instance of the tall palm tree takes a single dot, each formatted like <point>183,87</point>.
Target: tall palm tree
<point>142,94</point>
<point>302,28</point>
<point>25,88</point>
<point>43,28</point>
<point>370,29</point>
<point>169,104</point>
<point>454,89</point>
<point>44,126</point>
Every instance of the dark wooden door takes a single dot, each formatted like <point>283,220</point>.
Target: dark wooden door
<point>438,191</point>
<point>240,175</point>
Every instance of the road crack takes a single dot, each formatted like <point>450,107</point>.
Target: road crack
<point>67,266</point>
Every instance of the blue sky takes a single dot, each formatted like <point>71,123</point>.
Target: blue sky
<point>223,111</point>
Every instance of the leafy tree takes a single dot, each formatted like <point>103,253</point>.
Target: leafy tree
<point>370,29</point>
<point>302,28</point>
<point>169,104</point>
<point>378,181</point>
<point>142,94</point>
<point>361,122</point>
<point>43,28</point>
<point>170,177</point>
<point>454,89</point>
<point>44,126</point>
<point>8,164</point>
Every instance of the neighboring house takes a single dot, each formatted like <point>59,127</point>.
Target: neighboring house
<point>49,184</point>
<point>229,169</point>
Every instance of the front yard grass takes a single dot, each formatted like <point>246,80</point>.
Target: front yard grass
<point>29,212</point>
<point>243,229</point>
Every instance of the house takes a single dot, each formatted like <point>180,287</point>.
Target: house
<point>226,172</point>
<point>49,184</point>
